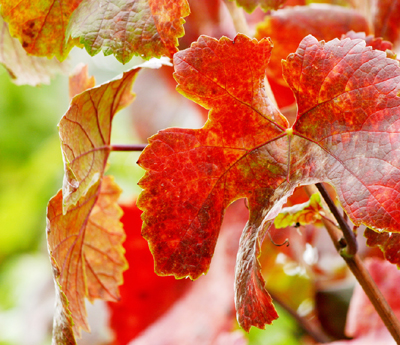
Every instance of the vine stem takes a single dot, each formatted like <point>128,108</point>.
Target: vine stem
<point>347,247</point>
<point>137,147</point>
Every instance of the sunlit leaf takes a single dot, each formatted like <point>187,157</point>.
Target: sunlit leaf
<point>40,25</point>
<point>303,214</point>
<point>149,28</point>
<point>85,245</point>
<point>346,133</point>
<point>25,69</point>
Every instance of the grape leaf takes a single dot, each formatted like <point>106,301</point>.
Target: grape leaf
<point>372,41</point>
<point>386,20</point>
<point>389,244</point>
<point>40,25</point>
<point>305,213</point>
<point>24,69</point>
<point>288,26</point>
<point>85,245</point>
<point>149,28</point>
<point>85,132</point>
<point>346,133</point>
<point>266,5</point>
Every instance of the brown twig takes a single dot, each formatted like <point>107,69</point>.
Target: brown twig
<point>356,265</point>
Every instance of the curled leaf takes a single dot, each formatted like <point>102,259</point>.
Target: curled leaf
<point>85,132</point>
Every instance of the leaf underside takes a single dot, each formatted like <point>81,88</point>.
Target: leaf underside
<point>149,28</point>
<point>346,133</point>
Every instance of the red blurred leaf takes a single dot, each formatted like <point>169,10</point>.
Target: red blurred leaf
<point>363,322</point>
<point>266,5</point>
<point>388,243</point>
<point>79,81</point>
<point>40,25</point>
<point>149,28</point>
<point>85,246</point>
<point>288,26</point>
<point>25,69</point>
<point>144,295</point>
<point>386,20</point>
<point>205,313</point>
<point>346,133</point>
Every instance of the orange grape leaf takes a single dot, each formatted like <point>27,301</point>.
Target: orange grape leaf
<point>288,26</point>
<point>80,81</point>
<point>305,213</point>
<point>346,133</point>
<point>386,20</point>
<point>149,28</point>
<point>85,132</point>
<point>85,245</point>
<point>266,5</point>
<point>25,69</point>
<point>40,25</point>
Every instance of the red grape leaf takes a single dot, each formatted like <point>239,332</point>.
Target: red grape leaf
<point>288,26</point>
<point>85,245</point>
<point>305,213</point>
<point>386,20</point>
<point>266,5</point>
<point>346,133</point>
<point>24,69</point>
<point>40,25</point>
<point>388,243</point>
<point>85,132</point>
<point>149,28</point>
<point>79,81</point>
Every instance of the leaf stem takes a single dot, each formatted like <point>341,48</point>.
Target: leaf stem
<point>356,265</point>
<point>308,326</point>
<point>138,147</point>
